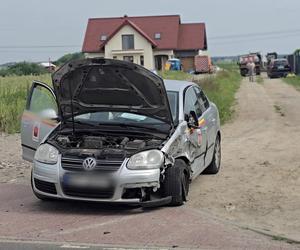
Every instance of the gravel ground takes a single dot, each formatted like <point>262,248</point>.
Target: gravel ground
<point>259,184</point>
<point>13,169</point>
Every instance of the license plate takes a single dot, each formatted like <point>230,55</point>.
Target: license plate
<point>87,181</point>
<point>280,67</point>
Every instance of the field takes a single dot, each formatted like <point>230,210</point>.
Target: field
<point>13,93</point>
<point>14,89</point>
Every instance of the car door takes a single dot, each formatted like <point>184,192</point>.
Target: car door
<point>197,136</point>
<point>38,119</point>
<point>207,123</point>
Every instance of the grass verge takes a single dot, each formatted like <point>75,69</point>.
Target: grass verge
<point>259,79</point>
<point>221,90</point>
<point>13,94</point>
<point>295,81</point>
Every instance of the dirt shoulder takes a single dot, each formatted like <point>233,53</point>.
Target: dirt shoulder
<point>12,168</point>
<point>259,185</point>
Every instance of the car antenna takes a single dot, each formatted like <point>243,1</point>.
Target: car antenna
<point>72,109</point>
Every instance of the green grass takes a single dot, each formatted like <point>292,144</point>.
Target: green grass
<point>295,81</point>
<point>220,89</point>
<point>13,94</point>
<point>175,75</point>
<point>259,79</point>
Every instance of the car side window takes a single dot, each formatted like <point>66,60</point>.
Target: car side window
<point>191,103</point>
<point>41,99</point>
<point>203,101</point>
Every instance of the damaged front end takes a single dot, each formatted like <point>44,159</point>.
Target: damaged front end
<point>132,165</point>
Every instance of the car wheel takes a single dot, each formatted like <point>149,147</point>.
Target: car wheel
<point>176,183</point>
<point>215,164</point>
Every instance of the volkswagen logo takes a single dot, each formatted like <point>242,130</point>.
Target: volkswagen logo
<point>89,163</point>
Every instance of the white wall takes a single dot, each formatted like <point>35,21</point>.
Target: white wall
<point>141,47</point>
<point>93,55</point>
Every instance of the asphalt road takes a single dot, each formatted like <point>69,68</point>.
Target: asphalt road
<point>42,224</point>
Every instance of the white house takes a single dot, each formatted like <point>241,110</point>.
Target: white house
<point>149,41</point>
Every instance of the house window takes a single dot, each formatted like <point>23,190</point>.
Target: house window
<point>128,58</point>
<point>127,42</point>
<point>103,38</point>
<point>157,36</point>
<point>142,60</point>
<point>115,57</point>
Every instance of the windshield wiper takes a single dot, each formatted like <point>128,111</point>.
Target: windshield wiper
<point>123,125</point>
<point>84,123</point>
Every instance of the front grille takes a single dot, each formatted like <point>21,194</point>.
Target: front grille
<point>44,186</point>
<point>75,164</point>
<point>93,193</point>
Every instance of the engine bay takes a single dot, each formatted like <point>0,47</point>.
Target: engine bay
<point>103,146</point>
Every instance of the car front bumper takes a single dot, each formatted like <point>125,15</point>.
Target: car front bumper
<point>124,179</point>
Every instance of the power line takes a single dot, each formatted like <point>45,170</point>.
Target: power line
<point>38,46</point>
<point>253,39</point>
<point>258,34</point>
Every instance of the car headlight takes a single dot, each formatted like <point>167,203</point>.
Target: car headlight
<point>151,159</point>
<point>46,154</point>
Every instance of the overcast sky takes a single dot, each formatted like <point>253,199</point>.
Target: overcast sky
<point>233,26</point>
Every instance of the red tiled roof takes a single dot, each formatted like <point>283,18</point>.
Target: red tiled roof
<point>174,35</point>
<point>192,35</point>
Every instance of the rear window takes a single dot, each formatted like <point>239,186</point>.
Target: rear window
<point>281,63</point>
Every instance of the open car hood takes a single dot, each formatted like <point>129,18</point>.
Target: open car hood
<point>95,85</point>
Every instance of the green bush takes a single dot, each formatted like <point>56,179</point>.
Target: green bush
<point>23,68</point>
<point>68,57</point>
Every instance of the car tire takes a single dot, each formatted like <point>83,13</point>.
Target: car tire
<point>214,166</point>
<point>176,183</point>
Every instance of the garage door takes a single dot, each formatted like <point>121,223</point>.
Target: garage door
<point>187,63</point>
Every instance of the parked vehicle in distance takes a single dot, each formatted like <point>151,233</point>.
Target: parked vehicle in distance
<point>203,64</point>
<point>173,64</point>
<point>112,131</point>
<point>278,68</point>
<point>254,57</point>
<point>271,56</point>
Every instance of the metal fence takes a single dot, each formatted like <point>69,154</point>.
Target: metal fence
<point>294,61</point>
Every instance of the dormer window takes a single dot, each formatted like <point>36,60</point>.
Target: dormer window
<point>103,38</point>
<point>157,36</point>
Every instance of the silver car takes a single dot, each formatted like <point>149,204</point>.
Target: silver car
<point>112,131</point>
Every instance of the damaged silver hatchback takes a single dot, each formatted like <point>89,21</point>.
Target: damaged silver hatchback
<point>112,131</point>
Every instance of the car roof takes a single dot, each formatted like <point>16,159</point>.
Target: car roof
<point>178,86</point>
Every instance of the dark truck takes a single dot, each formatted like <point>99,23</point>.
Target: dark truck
<point>244,59</point>
<point>278,68</point>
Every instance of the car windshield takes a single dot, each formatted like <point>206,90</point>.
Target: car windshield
<point>128,118</point>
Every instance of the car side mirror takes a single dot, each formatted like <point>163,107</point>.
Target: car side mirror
<point>192,120</point>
